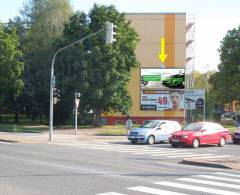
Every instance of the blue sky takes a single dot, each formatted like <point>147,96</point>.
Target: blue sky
<point>213,19</point>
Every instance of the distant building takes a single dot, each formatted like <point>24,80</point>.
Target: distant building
<point>151,99</point>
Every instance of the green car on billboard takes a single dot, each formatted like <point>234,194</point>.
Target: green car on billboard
<point>174,81</point>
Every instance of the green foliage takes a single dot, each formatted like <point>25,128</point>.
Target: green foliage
<point>45,21</point>
<point>99,72</point>
<point>226,83</point>
<point>11,67</point>
<point>201,81</point>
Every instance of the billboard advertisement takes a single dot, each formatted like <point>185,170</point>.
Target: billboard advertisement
<point>162,79</point>
<point>194,99</point>
<point>161,100</point>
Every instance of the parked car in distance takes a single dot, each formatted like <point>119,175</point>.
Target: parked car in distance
<point>236,137</point>
<point>227,118</point>
<point>200,133</point>
<point>153,131</point>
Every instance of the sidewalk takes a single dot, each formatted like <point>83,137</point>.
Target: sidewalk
<point>59,136</point>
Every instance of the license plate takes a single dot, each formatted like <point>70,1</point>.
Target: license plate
<point>132,137</point>
<point>175,140</point>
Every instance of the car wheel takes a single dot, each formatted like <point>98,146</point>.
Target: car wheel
<point>133,142</point>
<point>174,145</point>
<point>151,140</point>
<point>235,142</point>
<point>195,143</point>
<point>222,142</point>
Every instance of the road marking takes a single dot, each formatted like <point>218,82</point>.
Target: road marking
<point>219,178</point>
<point>196,188</point>
<point>227,174</point>
<point>110,193</point>
<point>148,150</point>
<point>190,155</point>
<point>168,154</point>
<point>214,183</point>
<point>164,151</point>
<point>7,143</point>
<point>153,191</point>
<point>205,157</point>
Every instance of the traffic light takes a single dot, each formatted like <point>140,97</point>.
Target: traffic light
<point>56,95</point>
<point>110,33</point>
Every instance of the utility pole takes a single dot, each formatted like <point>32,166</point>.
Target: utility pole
<point>109,29</point>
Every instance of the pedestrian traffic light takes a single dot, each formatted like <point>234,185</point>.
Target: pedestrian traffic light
<point>110,33</point>
<point>56,93</point>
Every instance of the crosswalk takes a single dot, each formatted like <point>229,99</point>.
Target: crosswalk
<point>164,152</point>
<point>216,183</point>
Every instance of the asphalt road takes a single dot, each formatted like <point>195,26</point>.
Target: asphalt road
<point>112,169</point>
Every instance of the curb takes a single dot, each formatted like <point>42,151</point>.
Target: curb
<point>232,163</point>
<point>205,164</point>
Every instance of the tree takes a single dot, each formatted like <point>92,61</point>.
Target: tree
<point>45,21</point>
<point>100,72</point>
<point>11,68</point>
<point>225,82</point>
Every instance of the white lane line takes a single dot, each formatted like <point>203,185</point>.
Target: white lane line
<point>6,143</point>
<point>227,174</point>
<point>153,191</point>
<point>164,151</point>
<point>110,193</point>
<point>128,146</point>
<point>190,155</point>
<point>138,150</point>
<point>214,156</point>
<point>214,183</point>
<point>219,178</point>
<point>196,188</point>
<point>168,154</point>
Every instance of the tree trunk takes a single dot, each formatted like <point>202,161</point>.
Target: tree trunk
<point>40,118</point>
<point>16,117</point>
<point>97,117</point>
<point>0,117</point>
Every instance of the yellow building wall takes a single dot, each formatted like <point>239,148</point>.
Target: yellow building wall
<point>151,28</point>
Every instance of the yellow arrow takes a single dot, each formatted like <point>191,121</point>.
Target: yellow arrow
<point>162,56</point>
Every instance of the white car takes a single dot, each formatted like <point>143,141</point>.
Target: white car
<point>154,131</point>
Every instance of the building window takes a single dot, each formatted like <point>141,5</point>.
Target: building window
<point>118,122</point>
<point>134,122</point>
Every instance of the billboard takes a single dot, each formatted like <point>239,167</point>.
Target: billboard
<point>162,79</point>
<point>194,99</point>
<point>160,100</point>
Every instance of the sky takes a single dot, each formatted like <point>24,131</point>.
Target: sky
<point>213,19</point>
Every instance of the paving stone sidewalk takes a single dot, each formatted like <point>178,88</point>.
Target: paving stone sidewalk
<point>59,136</point>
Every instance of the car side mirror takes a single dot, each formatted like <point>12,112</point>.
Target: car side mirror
<point>203,130</point>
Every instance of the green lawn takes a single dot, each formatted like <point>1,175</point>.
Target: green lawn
<point>112,130</point>
<point>23,128</point>
<point>231,128</point>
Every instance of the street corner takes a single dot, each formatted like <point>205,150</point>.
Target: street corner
<point>223,162</point>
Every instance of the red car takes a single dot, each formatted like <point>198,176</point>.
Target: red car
<point>200,133</point>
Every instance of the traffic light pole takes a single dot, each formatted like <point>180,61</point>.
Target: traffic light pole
<point>52,78</point>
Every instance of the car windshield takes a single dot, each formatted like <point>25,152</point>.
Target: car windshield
<point>194,127</point>
<point>150,124</point>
